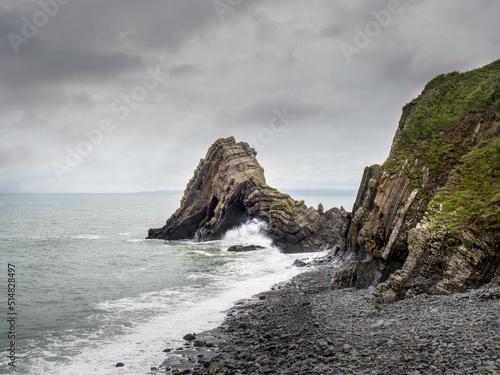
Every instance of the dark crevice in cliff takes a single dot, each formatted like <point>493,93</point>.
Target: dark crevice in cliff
<point>211,210</point>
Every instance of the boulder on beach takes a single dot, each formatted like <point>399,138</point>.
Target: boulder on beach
<point>189,337</point>
<point>299,263</point>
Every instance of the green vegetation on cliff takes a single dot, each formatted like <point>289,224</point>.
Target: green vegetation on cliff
<point>473,187</point>
<point>444,101</point>
<point>443,139</point>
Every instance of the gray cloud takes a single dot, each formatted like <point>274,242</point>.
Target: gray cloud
<point>224,75</point>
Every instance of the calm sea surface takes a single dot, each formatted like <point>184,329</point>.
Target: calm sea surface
<point>91,291</point>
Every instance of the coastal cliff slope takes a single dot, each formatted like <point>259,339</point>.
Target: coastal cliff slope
<point>228,188</point>
<point>428,219</point>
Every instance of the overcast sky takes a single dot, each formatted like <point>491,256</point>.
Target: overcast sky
<point>315,86</point>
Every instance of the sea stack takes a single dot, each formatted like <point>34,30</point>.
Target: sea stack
<point>229,187</point>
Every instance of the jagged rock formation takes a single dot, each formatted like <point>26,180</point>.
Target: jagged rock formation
<point>428,219</point>
<point>296,227</point>
<point>228,187</point>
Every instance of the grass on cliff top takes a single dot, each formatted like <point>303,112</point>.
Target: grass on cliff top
<point>444,101</point>
<point>473,187</point>
<point>288,203</point>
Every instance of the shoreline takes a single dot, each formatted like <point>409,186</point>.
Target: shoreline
<point>305,327</point>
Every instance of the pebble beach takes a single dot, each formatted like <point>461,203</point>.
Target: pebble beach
<point>305,327</point>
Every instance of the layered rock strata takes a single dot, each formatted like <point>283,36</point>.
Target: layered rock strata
<point>228,188</point>
<point>427,221</point>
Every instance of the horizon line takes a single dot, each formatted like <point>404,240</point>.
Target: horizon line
<point>171,191</point>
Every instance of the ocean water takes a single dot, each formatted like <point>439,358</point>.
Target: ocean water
<point>91,291</point>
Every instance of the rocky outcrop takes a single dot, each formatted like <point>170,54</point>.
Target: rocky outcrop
<point>377,233</point>
<point>442,261</point>
<point>395,245</point>
<point>228,188</point>
<point>298,228</point>
<point>450,253</point>
<point>217,196</point>
<point>427,221</point>
<point>241,248</point>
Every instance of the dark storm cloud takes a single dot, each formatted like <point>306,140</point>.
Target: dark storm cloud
<point>226,70</point>
<point>124,24</point>
<point>93,40</point>
<point>47,65</point>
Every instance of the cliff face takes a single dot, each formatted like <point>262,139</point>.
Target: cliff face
<point>428,219</point>
<point>228,187</point>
